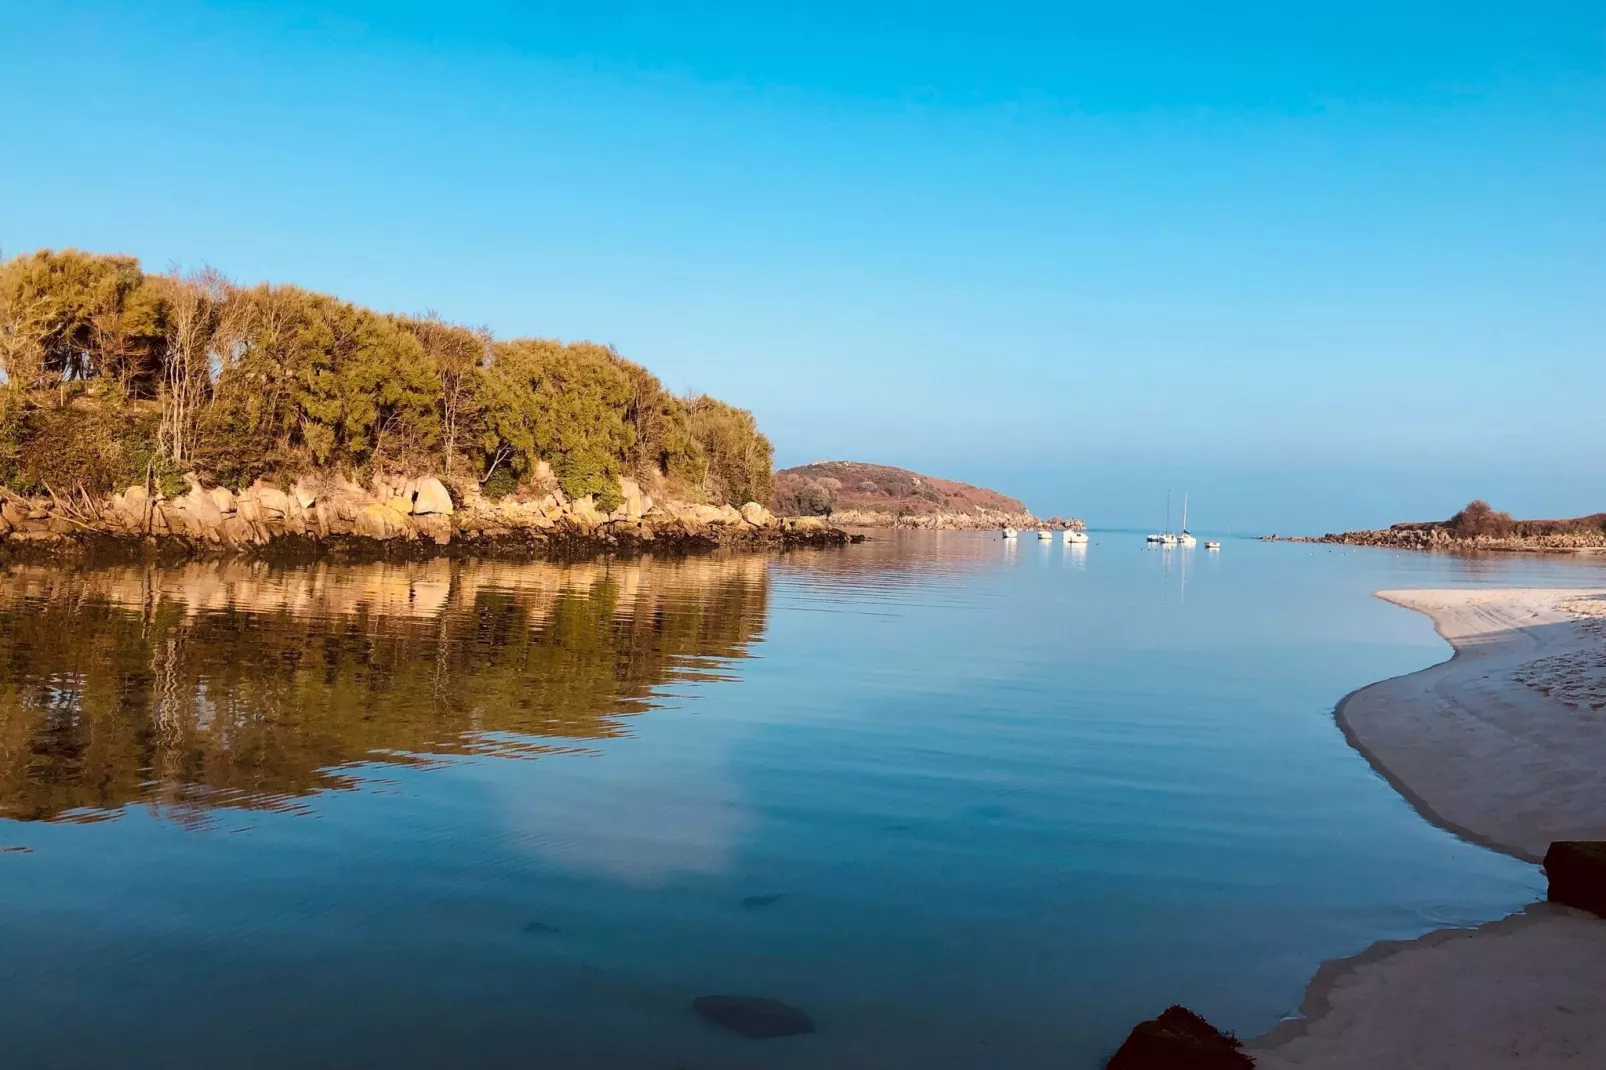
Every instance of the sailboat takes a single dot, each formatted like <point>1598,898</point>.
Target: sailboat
<point>1184,538</point>
<point>1164,538</point>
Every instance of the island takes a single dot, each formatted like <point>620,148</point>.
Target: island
<point>857,494</point>
<point>1479,526</point>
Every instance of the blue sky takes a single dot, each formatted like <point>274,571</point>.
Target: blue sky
<point>1322,266</point>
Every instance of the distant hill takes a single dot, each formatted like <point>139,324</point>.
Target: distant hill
<point>853,492</point>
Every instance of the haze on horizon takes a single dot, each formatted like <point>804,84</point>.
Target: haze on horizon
<point>1324,270</point>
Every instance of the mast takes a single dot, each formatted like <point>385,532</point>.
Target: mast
<point>1167,527</point>
<point>1184,511</point>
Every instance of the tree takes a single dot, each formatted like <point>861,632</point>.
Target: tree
<point>459,355</point>
<point>192,372</point>
<point>195,307</point>
<point>740,458</point>
<point>563,404</point>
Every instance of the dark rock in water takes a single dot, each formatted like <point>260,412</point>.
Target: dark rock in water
<point>753,1016</point>
<point>1577,872</point>
<point>1179,1040</point>
<point>16,850</point>
<point>755,902</point>
<point>540,927</point>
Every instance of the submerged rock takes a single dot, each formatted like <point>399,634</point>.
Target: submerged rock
<point>1577,873</point>
<point>1179,1040</point>
<point>754,1016</point>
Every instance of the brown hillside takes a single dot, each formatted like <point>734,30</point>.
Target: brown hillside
<point>855,487</point>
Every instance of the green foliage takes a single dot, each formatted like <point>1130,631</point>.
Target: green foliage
<point>238,383</point>
<point>740,459</point>
<point>98,447</point>
<point>562,404</point>
<point>76,316</point>
<point>500,484</point>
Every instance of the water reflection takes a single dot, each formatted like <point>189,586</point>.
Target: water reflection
<point>253,686</point>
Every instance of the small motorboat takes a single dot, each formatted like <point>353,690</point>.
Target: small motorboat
<point>1154,538</point>
<point>1010,533</point>
<point>1045,536</point>
<point>1212,544</point>
<point>1075,538</point>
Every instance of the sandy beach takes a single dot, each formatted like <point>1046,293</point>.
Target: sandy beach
<point>1505,744</point>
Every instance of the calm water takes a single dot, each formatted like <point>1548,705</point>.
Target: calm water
<point>967,805</point>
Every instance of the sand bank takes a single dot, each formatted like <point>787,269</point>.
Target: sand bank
<point>1527,991</point>
<point>1505,744</point>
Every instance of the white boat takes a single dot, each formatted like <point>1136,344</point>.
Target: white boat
<point>1183,537</point>
<point>1075,537</point>
<point>1164,538</point>
<point>1010,533</point>
<point>1045,536</point>
<point>1212,545</point>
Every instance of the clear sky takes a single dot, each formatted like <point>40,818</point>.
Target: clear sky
<point>1322,265</point>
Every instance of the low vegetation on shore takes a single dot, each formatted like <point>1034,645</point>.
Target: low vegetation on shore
<point>1480,526</point>
<point>112,377</point>
<point>878,495</point>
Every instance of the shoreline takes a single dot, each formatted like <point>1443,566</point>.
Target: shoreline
<point>1440,542</point>
<point>330,516</point>
<point>1527,989</point>
<point>1501,744</point>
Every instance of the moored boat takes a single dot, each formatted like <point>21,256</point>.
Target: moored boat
<point>1010,533</point>
<point>1184,538</point>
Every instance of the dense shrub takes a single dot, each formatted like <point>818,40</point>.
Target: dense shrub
<point>106,370</point>
<point>738,460</point>
<point>1479,518</point>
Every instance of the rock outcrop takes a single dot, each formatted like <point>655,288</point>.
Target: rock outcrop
<point>418,515</point>
<point>1179,1039</point>
<point>1576,870</point>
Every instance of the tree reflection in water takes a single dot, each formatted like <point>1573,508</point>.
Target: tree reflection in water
<point>256,686</point>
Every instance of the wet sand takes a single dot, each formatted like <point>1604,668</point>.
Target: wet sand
<point>1504,744</point>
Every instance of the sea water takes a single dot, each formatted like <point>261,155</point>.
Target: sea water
<point>964,802</point>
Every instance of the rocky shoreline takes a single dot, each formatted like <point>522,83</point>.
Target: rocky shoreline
<point>983,521</point>
<point>414,517</point>
<point>1476,528</point>
<point>1437,538</point>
